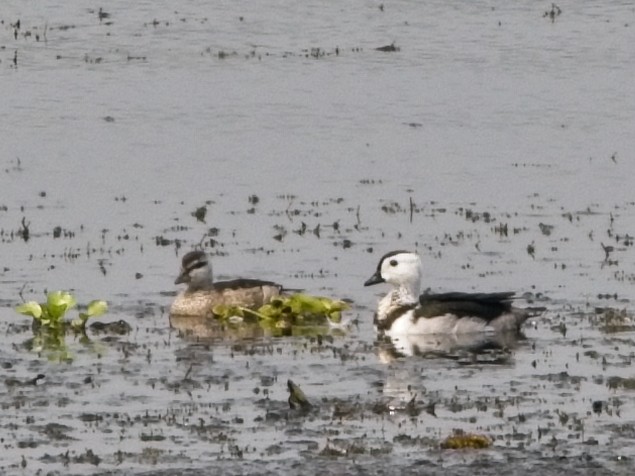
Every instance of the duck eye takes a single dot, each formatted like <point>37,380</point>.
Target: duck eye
<point>393,262</point>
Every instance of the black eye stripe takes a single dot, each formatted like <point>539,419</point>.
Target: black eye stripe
<point>198,264</point>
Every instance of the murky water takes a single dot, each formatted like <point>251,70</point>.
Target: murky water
<point>490,117</point>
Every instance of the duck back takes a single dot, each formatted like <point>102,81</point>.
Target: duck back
<point>249,293</point>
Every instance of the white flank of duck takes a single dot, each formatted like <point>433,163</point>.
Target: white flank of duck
<point>405,311</point>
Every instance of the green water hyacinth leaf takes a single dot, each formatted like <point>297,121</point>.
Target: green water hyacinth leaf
<point>56,311</point>
<point>60,299</point>
<point>52,312</point>
<point>287,311</point>
<point>57,303</point>
<point>225,311</point>
<point>96,308</point>
<point>50,326</point>
<point>30,308</point>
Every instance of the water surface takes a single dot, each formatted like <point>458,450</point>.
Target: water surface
<point>489,115</point>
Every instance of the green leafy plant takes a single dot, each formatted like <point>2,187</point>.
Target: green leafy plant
<point>51,314</point>
<point>286,311</point>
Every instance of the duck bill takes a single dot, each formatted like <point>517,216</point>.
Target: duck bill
<point>374,279</point>
<point>183,278</point>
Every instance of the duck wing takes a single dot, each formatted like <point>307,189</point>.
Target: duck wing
<point>486,306</point>
<point>251,293</point>
<point>243,283</point>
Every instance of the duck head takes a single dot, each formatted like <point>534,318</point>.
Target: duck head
<point>400,268</point>
<point>196,271</point>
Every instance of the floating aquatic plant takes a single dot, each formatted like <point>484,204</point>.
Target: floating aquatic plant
<point>286,311</point>
<point>52,313</point>
<point>50,325</point>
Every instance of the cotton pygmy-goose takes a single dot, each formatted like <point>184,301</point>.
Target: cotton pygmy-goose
<point>404,311</point>
<point>202,293</point>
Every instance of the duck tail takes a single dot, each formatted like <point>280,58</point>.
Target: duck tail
<point>514,320</point>
<point>534,310</point>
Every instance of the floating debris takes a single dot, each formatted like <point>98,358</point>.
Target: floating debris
<point>200,213</point>
<point>545,229</point>
<point>24,232</point>
<point>14,382</point>
<point>612,320</point>
<point>297,399</point>
<point>597,406</point>
<point>102,15</point>
<point>553,13</point>
<point>616,382</point>
<point>119,327</point>
<point>391,48</point>
<point>461,440</point>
